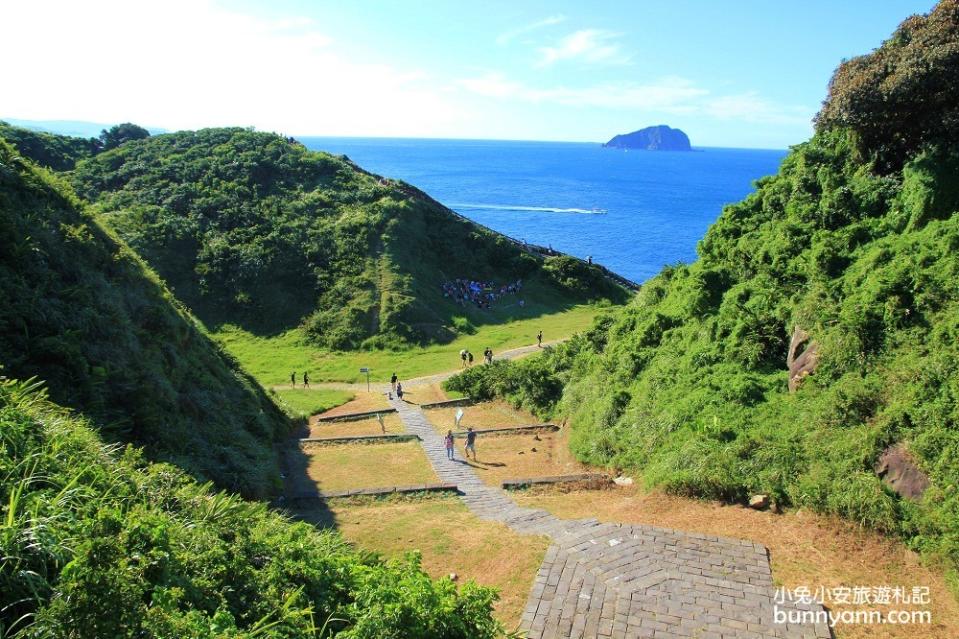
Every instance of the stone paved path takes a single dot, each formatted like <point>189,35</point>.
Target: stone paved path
<point>617,580</point>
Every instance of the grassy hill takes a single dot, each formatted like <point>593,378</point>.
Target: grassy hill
<point>83,313</point>
<point>852,252</point>
<point>252,230</point>
<point>101,544</point>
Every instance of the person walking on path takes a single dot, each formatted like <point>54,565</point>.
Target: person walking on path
<point>470,443</point>
<point>469,358</point>
<point>539,339</point>
<point>463,357</point>
<point>293,379</point>
<point>399,390</point>
<point>306,380</point>
<point>393,382</point>
<point>448,441</point>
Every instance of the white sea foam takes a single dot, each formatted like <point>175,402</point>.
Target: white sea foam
<point>512,207</point>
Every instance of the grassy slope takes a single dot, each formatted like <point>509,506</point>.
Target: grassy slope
<point>97,544</point>
<point>83,313</point>
<point>272,359</point>
<point>857,245</point>
<point>253,230</point>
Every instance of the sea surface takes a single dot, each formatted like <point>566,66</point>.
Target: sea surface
<point>631,211</point>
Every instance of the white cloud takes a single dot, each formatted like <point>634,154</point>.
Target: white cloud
<point>193,64</point>
<point>506,37</point>
<point>585,45</point>
<point>752,106</point>
<point>669,95</point>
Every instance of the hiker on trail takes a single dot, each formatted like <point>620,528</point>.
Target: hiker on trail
<point>463,357</point>
<point>293,379</point>
<point>589,259</point>
<point>469,358</point>
<point>448,441</point>
<point>539,339</point>
<point>470,442</point>
<point>399,390</point>
<point>393,382</point>
<point>488,354</point>
<point>306,380</point>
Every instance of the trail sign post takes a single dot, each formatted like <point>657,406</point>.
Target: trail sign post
<point>367,371</point>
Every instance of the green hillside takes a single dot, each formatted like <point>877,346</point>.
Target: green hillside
<point>253,230</point>
<point>855,243</point>
<point>57,152</point>
<point>83,313</point>
<point>97,544</point>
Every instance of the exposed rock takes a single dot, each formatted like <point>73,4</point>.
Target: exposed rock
<point>454,576</point>
<point>652,138</point>
<point>623,481</point>
<point>759,502</point>
<point>803,363</point>
<point>900,472</point>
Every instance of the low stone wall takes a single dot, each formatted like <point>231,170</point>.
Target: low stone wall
<point>448,403</point>
<point>597,479</point>
<point>387,490</point>
<point>510,430</point>
<point>389,438</point>
<point>355,417</point>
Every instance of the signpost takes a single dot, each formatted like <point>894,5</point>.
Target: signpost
<point>367,371</point>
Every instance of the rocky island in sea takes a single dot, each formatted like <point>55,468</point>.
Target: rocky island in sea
<point>652,138</point>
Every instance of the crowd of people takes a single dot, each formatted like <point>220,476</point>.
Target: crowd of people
<point>481,293</point>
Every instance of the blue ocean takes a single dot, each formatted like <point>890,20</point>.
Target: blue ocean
<point>631,211</point>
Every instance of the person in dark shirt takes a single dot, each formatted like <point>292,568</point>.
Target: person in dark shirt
<point>470,442</point>
<point>306,380</point>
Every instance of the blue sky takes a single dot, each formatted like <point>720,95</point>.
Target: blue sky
<point>734,73</point>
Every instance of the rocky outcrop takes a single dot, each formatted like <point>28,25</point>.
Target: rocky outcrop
<point>900,472</point>
<point>652,138</point>
<point>801,362</point>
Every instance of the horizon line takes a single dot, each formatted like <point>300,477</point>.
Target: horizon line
<point>385,137</point>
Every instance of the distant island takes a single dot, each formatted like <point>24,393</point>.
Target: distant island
<point>652,138</point>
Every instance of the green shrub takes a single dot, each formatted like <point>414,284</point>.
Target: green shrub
<point>96,543</point>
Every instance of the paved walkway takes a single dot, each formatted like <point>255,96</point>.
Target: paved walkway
<point>615,580</point>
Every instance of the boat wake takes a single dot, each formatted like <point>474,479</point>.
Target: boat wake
<point>535,209</point>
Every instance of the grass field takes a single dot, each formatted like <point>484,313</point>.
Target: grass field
<point>305,402</point>
<point>805,549</point>
<point>348,466</point>
<point>483,415</point>
<point>352,429</point>
<point>361,402</point>
<point>450,539</point>
<point>272,359</point>
<point>503,457</point>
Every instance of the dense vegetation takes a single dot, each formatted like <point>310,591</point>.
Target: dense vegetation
<point>856,242</point>
<point>57,152</point>
<point>61,152</point>
<point>82,312</point>
<point>252,229</point>
<point>97,543</point>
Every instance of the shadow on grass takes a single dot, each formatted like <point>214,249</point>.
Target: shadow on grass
<point>302,498</point>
